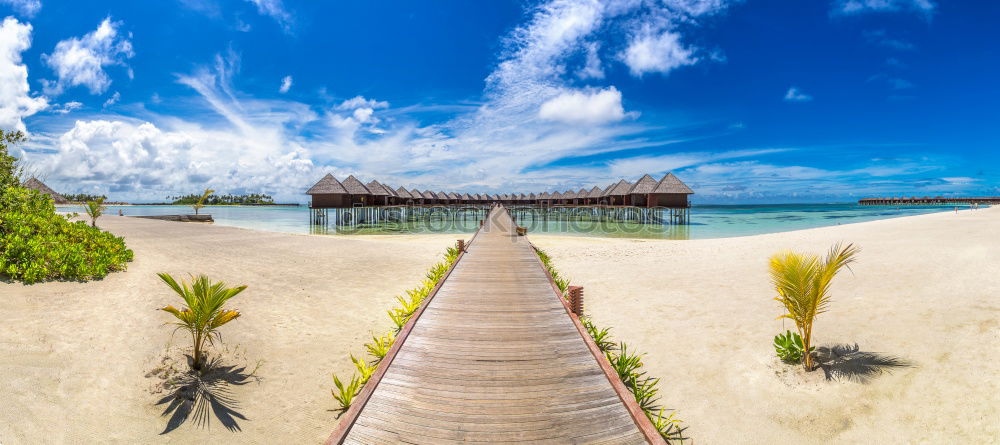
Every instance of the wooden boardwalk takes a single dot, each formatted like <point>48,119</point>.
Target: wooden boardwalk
<point>493,357</point>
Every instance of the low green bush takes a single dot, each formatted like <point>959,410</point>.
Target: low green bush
<point>344,394</point>
<point>38,244</point>
<point>628,366</point>
<point>790,348</point>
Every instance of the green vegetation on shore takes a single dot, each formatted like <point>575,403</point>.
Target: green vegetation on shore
<point>628,366</point>
<point>345,393</point>
<point>802,282</point>
<point>217,200</point>
<point>83,197</point>
<point>38,244</point>
<point>203,314</point>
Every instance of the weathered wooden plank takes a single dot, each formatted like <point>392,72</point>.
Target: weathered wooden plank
<point>494,358</point>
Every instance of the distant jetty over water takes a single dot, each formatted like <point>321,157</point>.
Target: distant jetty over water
<point>929,200</point>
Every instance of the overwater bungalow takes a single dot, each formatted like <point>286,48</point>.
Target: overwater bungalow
<point>670,192</point>
<point>646,192</point>
<point>358,193</point>
<point>329,192</point>
<point>380,194</point>
<point>594,196</point>
<point>404,197</point>
<point>618,194</point>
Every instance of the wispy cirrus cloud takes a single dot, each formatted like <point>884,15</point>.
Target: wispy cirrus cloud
<point>925,8</point>
<point>27,8</point>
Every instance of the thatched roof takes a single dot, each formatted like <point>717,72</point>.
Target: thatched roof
<point>672,184</point>
<point>556,195</point>
<point>607,190</point>
<point>522,197</point>
<point>328,185</point>
<point>355,187</point>
<point>620,189</point>
<point>544,195</point>
<point>583,193</point>
<point>40,187</point>
<point>466,197</point>
<point>442,196</point>
<point>569,194</point>
<point>453,195</point>
<point>402,193</point>
<point>429,194</point>
<point>644,185</point>
<point>377,188</point>
<point>595,192</point>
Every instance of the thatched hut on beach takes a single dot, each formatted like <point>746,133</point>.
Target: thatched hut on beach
<point>40,187</point>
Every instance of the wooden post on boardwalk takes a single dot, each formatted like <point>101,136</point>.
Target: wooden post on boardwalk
<point>461,245</point>
<point>576,300</point>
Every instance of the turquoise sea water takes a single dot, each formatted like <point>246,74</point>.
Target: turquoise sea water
<point>707,221</point>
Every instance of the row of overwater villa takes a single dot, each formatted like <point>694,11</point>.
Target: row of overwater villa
<point>352,202</point>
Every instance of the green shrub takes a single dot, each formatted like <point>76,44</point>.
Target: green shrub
<point>628,366</point>
<point>38,244</point>
<point>790,348</point>
<point>380,345</point>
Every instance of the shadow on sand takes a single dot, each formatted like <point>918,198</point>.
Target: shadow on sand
<point>197,394</point>
<point>849,362</point>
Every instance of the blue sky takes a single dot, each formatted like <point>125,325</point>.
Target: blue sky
<point>746,101</point>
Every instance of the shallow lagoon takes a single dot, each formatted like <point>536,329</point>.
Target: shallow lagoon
<point>707,221</point>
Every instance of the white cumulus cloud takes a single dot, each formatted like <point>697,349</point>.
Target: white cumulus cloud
<point>286,84</point>
<point>649,52</point>
<point>16,101</point>
<point>80,61</point>
<point>796,95</point>
<point>27,8</point>
<point>585,107</point>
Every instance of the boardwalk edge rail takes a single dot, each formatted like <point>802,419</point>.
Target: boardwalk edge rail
<point>351,416</point>
<point>646,426</point>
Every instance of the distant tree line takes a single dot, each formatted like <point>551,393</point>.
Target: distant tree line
<point>213,199</point>
<point>82,197</point>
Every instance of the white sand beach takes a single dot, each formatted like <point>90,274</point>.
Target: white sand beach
<point>924,289</point>
<point>73,356</point>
